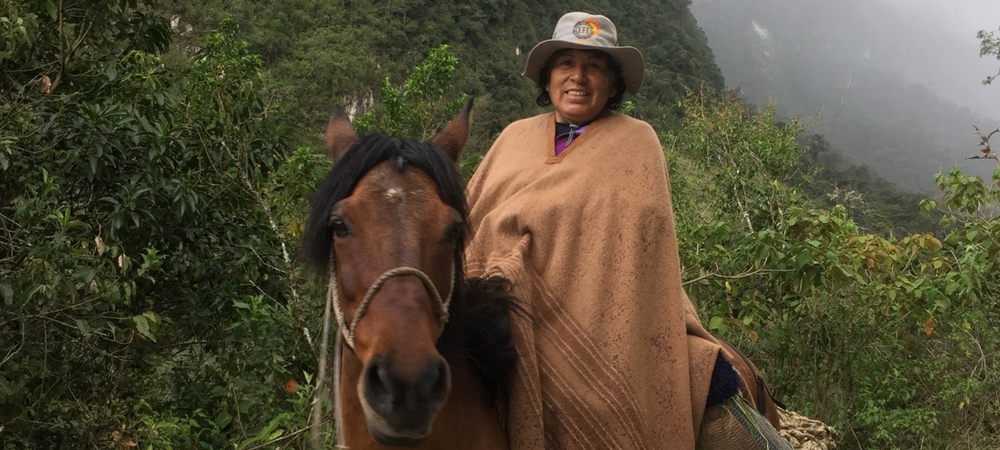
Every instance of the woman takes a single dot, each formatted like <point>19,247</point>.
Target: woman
<point>573,207</point>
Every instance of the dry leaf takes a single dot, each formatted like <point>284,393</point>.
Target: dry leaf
<point>293,228</point>
<point>123,443</point>
<point>46,87</point>
<point>929,323</point>
<point>100,245</point>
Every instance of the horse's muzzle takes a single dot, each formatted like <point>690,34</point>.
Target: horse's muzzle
<point>400,412</point>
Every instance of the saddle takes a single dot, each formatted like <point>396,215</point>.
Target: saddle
<point>747,418</point>
<point>755,388</point>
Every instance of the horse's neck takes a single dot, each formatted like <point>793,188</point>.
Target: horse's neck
<point>468,420</point>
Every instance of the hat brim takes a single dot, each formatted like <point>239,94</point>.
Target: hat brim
<point>628,57</point>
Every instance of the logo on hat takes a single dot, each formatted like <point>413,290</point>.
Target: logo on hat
<point>586,29</point>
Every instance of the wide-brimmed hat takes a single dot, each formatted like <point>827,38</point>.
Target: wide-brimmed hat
<point>588,32</point>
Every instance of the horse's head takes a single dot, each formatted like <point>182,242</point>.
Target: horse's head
<point>389,222</point>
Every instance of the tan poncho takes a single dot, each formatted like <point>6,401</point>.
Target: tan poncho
<point>615,356</point>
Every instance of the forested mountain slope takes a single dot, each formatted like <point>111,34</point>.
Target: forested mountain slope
<point>318,53</point>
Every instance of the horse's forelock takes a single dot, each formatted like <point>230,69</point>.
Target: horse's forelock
<point>368,152</point>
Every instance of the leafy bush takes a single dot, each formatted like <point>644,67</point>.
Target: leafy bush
<point>887,339</point>
<point>146,294</point>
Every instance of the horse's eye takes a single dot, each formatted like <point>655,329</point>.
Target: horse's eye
<point>453,234</point>
<point>338,227</point>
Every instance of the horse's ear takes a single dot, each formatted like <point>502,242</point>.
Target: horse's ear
<point>340,135</point>
<point>453,137</point>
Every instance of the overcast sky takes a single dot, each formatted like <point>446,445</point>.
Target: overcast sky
<point>963,17</point>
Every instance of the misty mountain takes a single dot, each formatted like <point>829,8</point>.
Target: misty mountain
<point>860,73</point>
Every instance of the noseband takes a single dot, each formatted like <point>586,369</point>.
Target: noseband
<point>348,332</point>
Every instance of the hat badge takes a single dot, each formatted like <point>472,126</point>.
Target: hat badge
<point>586,29</point>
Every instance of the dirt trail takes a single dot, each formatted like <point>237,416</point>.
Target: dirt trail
<point>804,433</point>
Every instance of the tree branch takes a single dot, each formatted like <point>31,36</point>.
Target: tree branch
<point>289,435</point>
<point>734,277</point>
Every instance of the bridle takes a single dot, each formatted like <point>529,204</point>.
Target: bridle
<point>346,335</point>
<point>348,331</point>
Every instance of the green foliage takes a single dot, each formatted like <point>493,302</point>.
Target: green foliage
<point>967,195</point>
<point>873,203</point>
<point>746,155</point>
<point>148,296</point>
<point>887,339</point>
<point>18,29</point>
<point>419,109</point>
<point>989,46</point>
<point>322,53</point>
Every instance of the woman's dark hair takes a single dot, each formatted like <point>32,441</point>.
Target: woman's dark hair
<point>614,67</point>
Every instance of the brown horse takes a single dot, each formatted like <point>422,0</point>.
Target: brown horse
<point>425,350</point>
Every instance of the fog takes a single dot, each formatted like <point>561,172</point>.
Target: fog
<point>934,42</point>
<point>896,84</point>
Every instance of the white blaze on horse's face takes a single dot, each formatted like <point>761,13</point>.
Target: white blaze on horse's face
<point>395,194</point>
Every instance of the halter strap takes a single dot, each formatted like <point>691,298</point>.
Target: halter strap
<point>348,331</point>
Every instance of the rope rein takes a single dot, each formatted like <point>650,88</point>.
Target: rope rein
<point>317,407</point>
<point>346,335</point>
<point>338,409</point>
<point>348,331</point>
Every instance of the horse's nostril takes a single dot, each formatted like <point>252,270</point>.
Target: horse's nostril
<point>388,394</point>
<point>379,382</point>
<point>435,379</point>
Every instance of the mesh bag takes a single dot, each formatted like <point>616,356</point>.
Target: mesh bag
<point>734,424</point>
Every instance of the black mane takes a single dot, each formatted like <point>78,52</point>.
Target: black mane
<point>479,328</point>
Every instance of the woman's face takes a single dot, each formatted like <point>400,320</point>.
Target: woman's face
<point>580,84</point>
